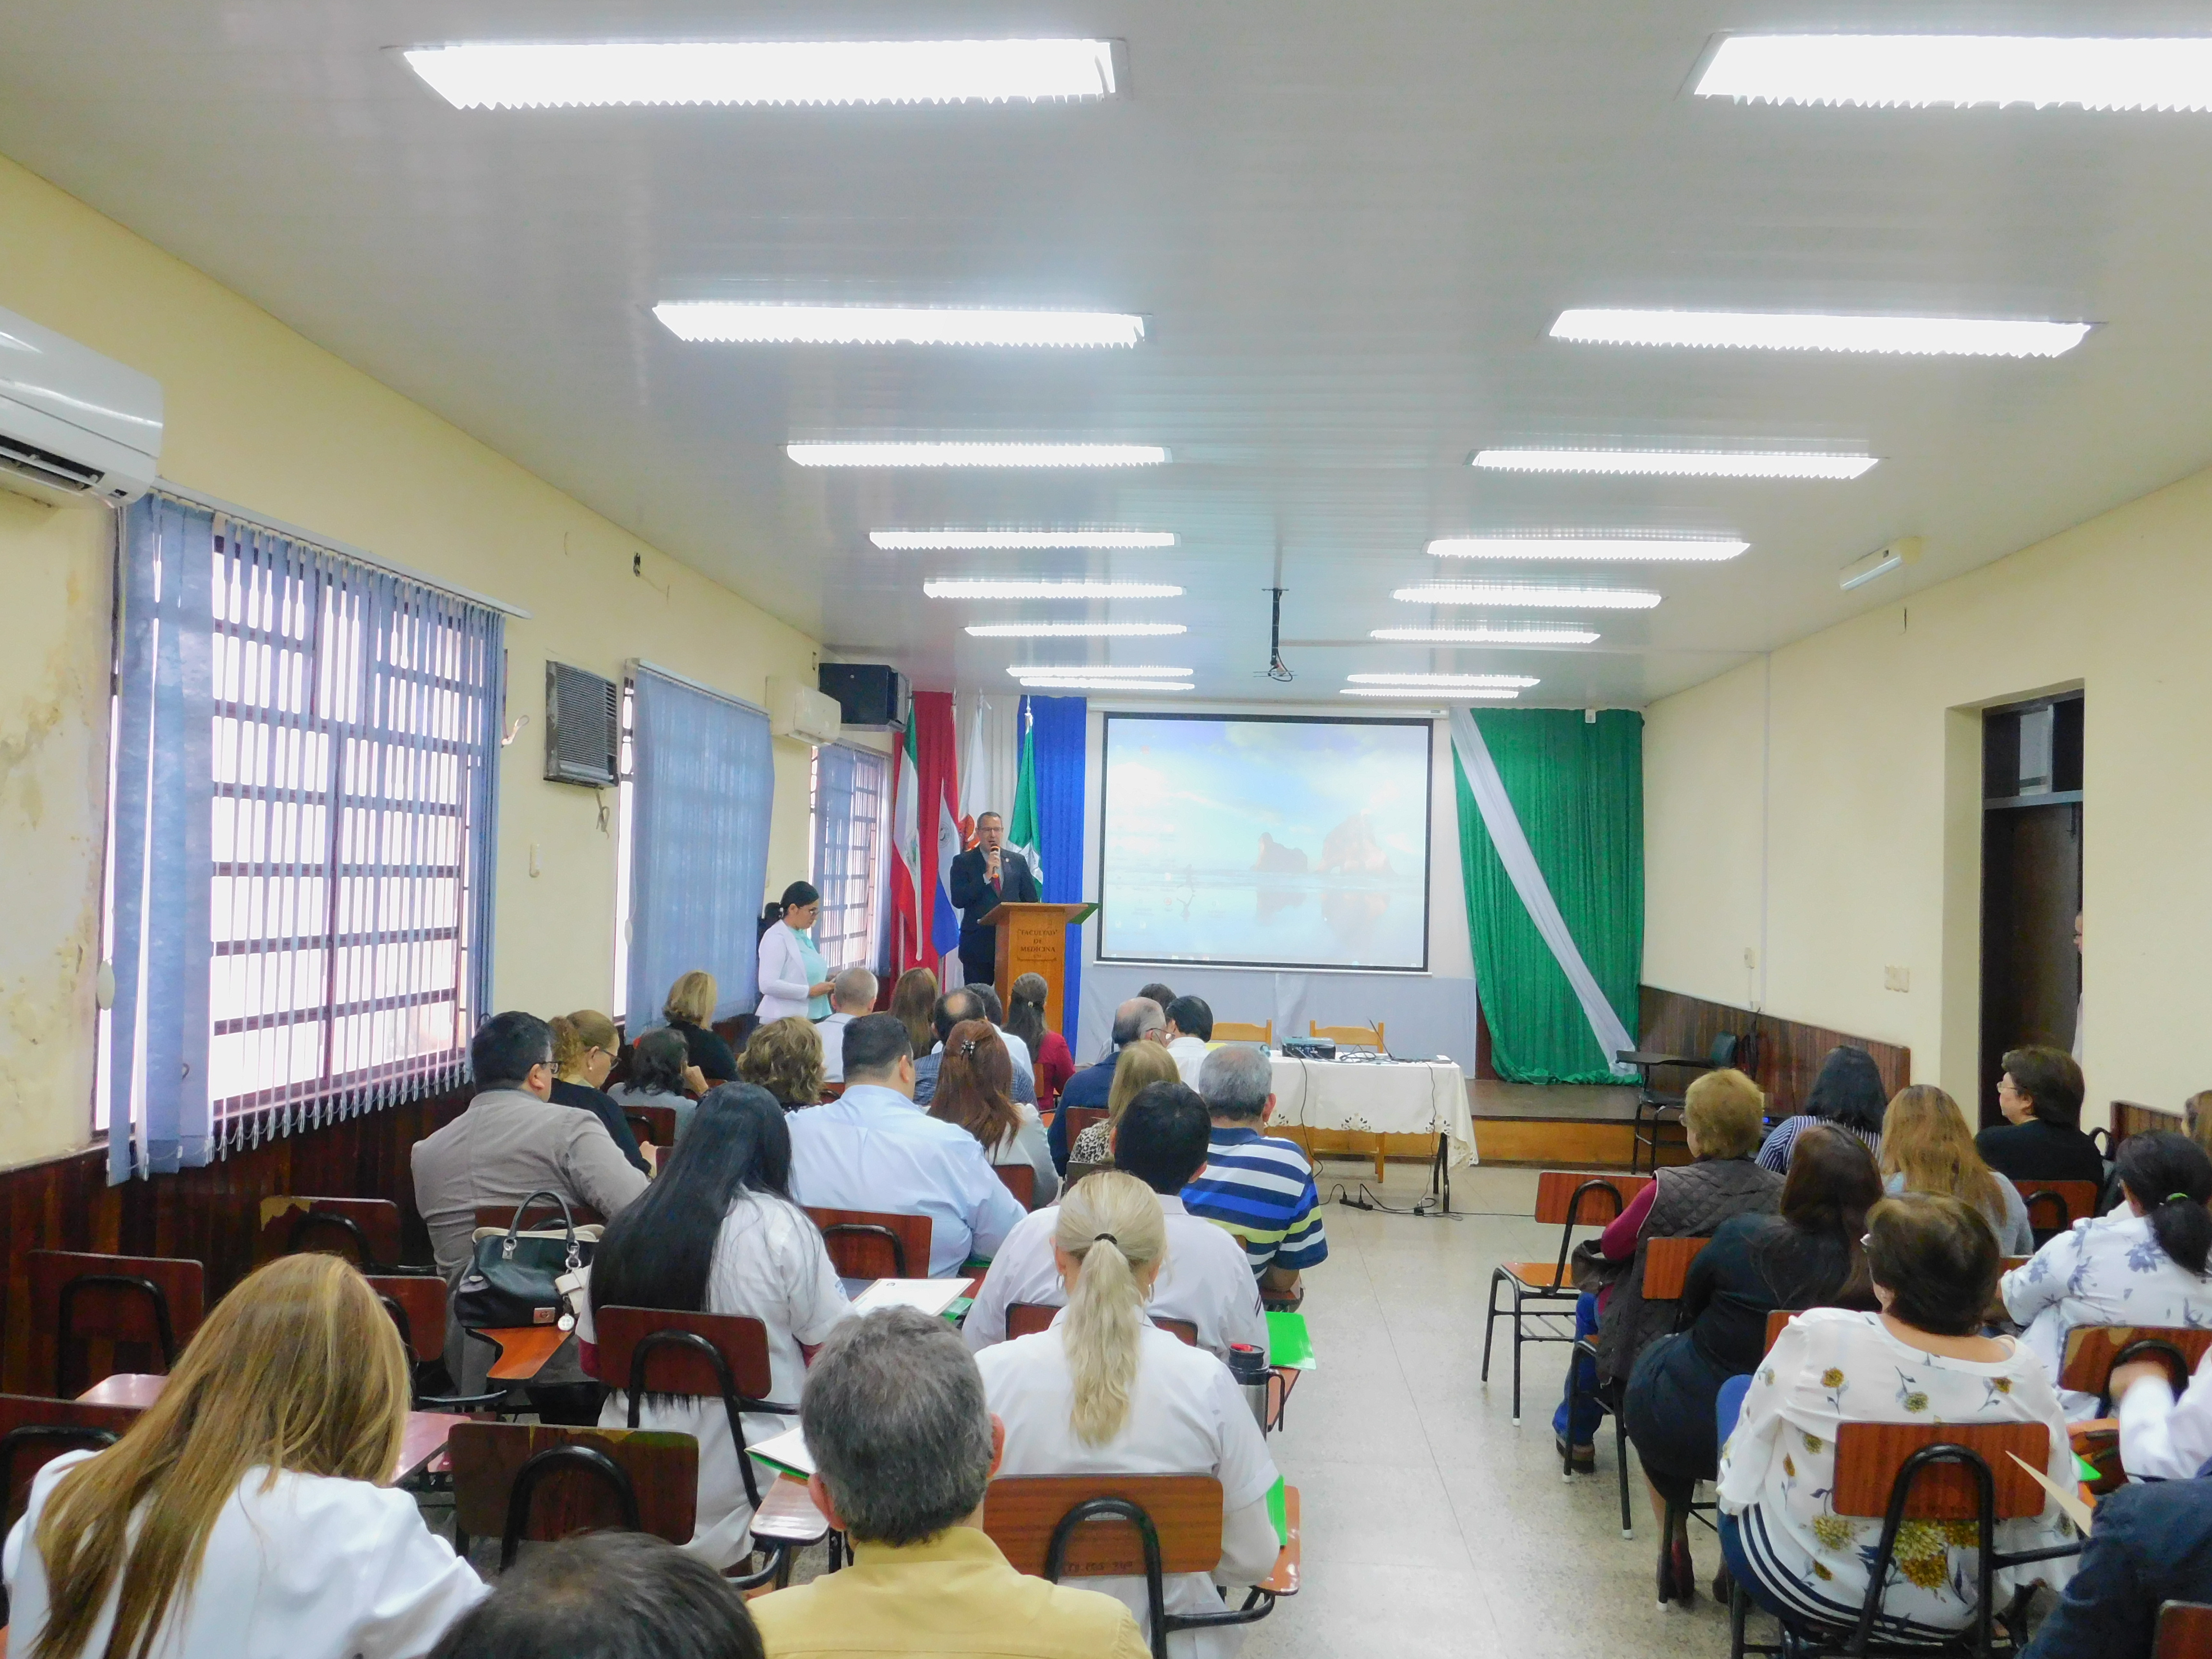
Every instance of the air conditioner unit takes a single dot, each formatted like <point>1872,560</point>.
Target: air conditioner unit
<point>74,426</point>
<point>800,712</point>
<point>583,726</point>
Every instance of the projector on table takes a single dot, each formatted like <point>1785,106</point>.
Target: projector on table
<point>1308,1048</point>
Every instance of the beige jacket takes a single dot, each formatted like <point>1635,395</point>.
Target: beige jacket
<point>506,1146</point>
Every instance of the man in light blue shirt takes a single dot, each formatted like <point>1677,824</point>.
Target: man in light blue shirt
<point>871,1150</point>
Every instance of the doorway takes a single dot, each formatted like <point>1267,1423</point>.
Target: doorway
<point>2031,881</point>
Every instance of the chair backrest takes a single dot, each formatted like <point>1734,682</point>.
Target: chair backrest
<point>1775,1320</point>
<point>2055,1206</point>
<point>1238,1030</point>
<point>663,1469</point>
<point>148,1306</point>
<point>875,1244</point>
<point>1722,1052</point>
<point>1020,1180</point>
<point>364,1231</point>
<point>2090,1349</point>
<point>1080,1118</point>
<point>1556,1191</point>
<point>1667,1266</point>
<point>1027,1318</point>
<point>1021,1512</point>
<point>653,1126</point>
<point>538,1215</point>
<point>2184,1631</point>
<point>742,1342</point>
<point>417,1303</point>
<point>1357,1037</point>
<point>35,1431</point>
<point>1868,1456</point>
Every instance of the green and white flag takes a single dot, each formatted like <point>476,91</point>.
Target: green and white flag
<point>1022,830</point>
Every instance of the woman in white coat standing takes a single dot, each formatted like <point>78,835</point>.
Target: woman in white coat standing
<point>794,978</point>
<point>247,1515</point>
<point>1106,1391</point>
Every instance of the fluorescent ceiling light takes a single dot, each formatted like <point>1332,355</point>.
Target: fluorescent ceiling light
<point>528,75</point>
<point>896,541</point>
<point>1675,463</point>
<point>1702,550</point>
<point>1478,694</point>
<point>1517,593</point>
<point>1109,685</point>
<point>2173,74</point>
<point>724,320</point>
<point>1785,331</point>
<point>1071,630</point>
<point>965,587</point>
<point>974,454</point>
<point>1485,635</point>
<point>1093,670</point>
<point>1464,681</point>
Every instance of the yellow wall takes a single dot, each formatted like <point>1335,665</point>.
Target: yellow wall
<point>258,416</point>
<point>1873,844</point>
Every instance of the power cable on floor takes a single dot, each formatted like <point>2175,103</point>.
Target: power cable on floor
<point>1428,1209</point>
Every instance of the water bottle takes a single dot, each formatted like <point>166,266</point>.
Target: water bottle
<point>1248,1366</point>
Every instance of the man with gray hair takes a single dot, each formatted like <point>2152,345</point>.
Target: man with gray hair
<point>1258,1186</point>
<point>904,1447</point>
<point>852,993</point>
<point>1140,1019</point>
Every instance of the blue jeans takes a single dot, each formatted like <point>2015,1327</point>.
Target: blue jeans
<point>1726,1410</point>
<point>1576,1418</point>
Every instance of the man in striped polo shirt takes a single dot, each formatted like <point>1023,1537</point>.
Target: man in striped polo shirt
<point>1258,1187</point>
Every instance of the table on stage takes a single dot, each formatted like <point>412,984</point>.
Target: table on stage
<point>1379,1097</point>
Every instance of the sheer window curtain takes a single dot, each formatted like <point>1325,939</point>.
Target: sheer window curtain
<point>702,786</point>
<point>302,836</point>
<point>849,786</point>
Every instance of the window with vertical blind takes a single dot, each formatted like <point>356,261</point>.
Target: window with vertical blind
<point>850,785</point>
<point>301,836</point>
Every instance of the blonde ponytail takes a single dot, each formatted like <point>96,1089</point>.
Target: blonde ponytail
<point>1111,1223</point>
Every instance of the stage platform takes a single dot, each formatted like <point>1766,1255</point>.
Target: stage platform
<point>1563,1125</point>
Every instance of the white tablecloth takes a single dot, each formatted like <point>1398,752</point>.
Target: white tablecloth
<point>1390,1097</point>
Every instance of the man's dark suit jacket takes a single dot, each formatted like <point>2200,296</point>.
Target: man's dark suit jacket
<point>972,897</point>
<point>2152,1544</point>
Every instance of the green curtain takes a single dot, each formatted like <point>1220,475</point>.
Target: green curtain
<point>1577,787</point>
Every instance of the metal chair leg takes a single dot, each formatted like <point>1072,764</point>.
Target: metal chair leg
<point>1621,1447</point>
<point>1489,1323</point>
<point>1516,1353</point>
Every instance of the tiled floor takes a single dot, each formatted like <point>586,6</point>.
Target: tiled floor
<point>1431,1524</point>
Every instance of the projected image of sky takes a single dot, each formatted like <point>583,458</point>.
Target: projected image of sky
<point>1270,843</point>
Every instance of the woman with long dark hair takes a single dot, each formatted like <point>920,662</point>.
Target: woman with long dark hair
<point>1848,1093</point>
<point>975,1088</point>
<point>1048,1050</point>
<point>2144,1264</point>
<point>793,979</point>
<point>717,1232</point>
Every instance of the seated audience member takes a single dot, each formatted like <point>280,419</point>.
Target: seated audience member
<point>511,1142</point>
<point>1137,1068</point>
<point>974,1092</point>
<point>1018,1050</point>
<point>956,1006</point>
<point>248,1511</point>
<point>1809,1256</point>
<point>1105,1391</point>
<point>585,1048</point>
<point>2151,1545</point>
<point>1257,1186</point>
<point>1161,1138</point>
<point>1721,1121</point>
<point>1926,1147</point>
<point>785,1058</point>
<point>1921,1358</point>
<point>1190,1028</point>
<point>660,1070</point>
<point>904,1447</point>
<point>1025,1019</point>
<point>2144,1264</point>
<point>1848,1093</point>
<point>914,1005</point>
<point>852,993</point>
<point>871,1150</point>
<point>607,1596</point>
<point>1159,994</point>
<point>2041,1138</point>
<point>689,1012</point>
<point>1138,1020</point>
<point>718,1233</point>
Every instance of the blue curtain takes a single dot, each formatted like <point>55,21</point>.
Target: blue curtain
<point>1060,731</point>
<point>701,785</point>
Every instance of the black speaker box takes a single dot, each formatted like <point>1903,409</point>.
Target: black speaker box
<point>871,695</point>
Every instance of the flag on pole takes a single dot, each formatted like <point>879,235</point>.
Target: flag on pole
<point>908,948</point>
<point>1022,828</point>
<point>974,776</point>
<point>938,818</point>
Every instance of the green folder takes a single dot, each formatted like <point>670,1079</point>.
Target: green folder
<point>1289,1342</point>
<point>1275,1506</point>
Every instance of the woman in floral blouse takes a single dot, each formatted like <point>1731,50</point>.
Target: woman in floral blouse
<point>1921,1359</point>
<point>2144,1264</point>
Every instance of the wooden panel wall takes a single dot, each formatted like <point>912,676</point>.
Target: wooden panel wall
<point>1790,1052</point>
<point>210,1214</point>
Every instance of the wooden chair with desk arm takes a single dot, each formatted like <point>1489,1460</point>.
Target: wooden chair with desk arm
<point>94,1315</point>
<point>1543,1293</point>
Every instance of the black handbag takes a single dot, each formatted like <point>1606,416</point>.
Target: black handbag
<point>509,1280</point>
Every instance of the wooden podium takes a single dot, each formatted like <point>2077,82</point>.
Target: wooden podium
<point>1033,939</point>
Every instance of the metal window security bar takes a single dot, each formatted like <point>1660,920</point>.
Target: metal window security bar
<point>303,835</point>
<point>849,786</point>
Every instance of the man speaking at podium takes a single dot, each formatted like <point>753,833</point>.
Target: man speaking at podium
<point>984,877</point>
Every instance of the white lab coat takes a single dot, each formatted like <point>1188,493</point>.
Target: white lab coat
<point>1188,1054</point>
<point>783,981</point>
<point>1204,1278</point>
<point>1187,1416</point>
<point>770,1265</point>
<point>2162,1438</point>
<point>313,1567</point>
